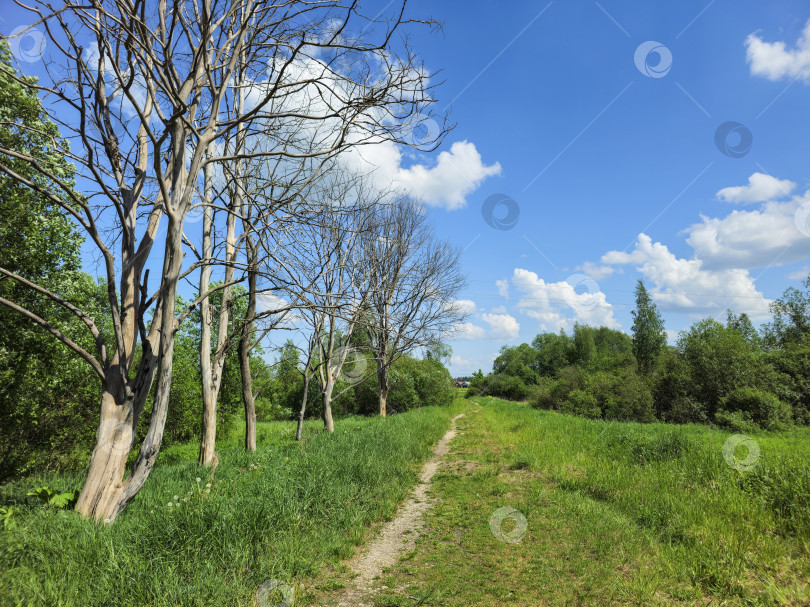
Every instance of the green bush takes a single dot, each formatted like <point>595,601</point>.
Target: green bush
<point>581,403</point>
<point>757,406</point>
<point>506,386</point>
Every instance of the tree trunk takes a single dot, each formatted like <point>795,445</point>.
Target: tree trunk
<point>245,345</point>
<point>328,422</point>
<point>106,493</point>
<point>209,388</point>
<point>382,378</point>
<point>303,410</point>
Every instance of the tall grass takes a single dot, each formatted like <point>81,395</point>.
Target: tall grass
<point>726,531</point>
<point>279,513</point>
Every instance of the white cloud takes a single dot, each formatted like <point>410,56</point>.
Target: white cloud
<point>558,305</point>
<point>503,288</point>
<point>596,271</point>
<point>685,285</point>
<point>456,174</point>
<point>467,330</point>
<point>499,310</point>
<point>800,274</point>
<point>761,187</point>
<point>466,306</point>
<point>749,239</point>
<point>773,61</point>
<point>456,361</point>
<point>502,326</point>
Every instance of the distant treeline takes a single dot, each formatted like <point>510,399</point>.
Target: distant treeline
<point>728,374</point>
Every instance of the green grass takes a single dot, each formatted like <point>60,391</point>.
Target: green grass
<point>617,513</point>
<point>280,513</point>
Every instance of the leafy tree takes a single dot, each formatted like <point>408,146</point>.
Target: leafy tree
<point>719,360</point>
<point>553,353</point>
<point>791,318</point>
<point>47,404</point>
<point>584,345</point>
<point>649,336</point>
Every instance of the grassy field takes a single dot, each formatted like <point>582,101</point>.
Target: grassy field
<point>280,513</point>
<point>615,513</point>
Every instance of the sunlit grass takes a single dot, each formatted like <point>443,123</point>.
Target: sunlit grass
<point>617,513</point>
<point>280,513</point>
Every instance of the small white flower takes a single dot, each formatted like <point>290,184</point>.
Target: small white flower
<point>208,485</point>
<point>198,479</point>
<point>170,504</point>
<point>176,497</point>
<point>185,499</point>
<point>208,491</point>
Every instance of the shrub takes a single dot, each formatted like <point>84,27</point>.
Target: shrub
<point>540,396</point>
<point>581,403</point>
<point>758,406</point>
<point>506,386</point>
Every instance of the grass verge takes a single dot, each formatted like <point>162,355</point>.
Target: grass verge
<point>280,513</point>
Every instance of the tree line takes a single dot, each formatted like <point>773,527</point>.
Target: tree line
<point>206,148</point>
<point>730,374</point>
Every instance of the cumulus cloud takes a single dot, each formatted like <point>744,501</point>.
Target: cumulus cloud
<point>558,305</point>
<point>761,187</point>
<point>754,238</point>
<point>685,285</point>
<point>455,175</point>
<point>465,306</point>
<point>773,60</point>
<point>468,331</point>
<point>503,288</point>
<point>596,271</point>
<point>502,326</point>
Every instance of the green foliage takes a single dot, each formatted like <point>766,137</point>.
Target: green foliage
<point>53,498</point>
<point>649,336</point>
<point>579,402</point>
<point>719,360</point>
<point>757,406</point>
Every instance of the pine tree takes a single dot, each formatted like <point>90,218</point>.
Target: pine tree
<point>649,336</point>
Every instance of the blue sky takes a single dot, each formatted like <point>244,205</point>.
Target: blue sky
<point>610,158</point>
<point>594,153</point>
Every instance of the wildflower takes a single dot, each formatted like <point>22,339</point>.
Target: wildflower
<point>198,479</point>
<point>176,497</point>
<point>208,485</point>
<point>170,504</point>
<point>208,491</point>
<point>185,499</point>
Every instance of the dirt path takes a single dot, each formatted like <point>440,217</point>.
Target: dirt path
<point>397,536</point>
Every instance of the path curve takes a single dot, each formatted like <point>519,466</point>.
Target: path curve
<point>386,548</point>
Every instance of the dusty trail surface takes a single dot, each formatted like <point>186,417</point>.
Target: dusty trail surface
<point>397,536</point>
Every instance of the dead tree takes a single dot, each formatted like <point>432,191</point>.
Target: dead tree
<point>142,105</point>
<point>414,280</point>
